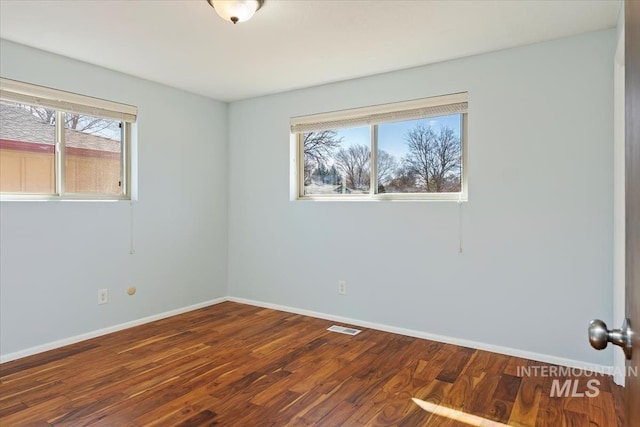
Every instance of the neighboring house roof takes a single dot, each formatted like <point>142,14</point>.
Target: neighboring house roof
<point>19,124</point>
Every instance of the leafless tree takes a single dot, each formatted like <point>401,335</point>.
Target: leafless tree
<point>78,122</point>
<point>318,149</point>
<point>404,181</point>
<point>353,162</point>
<point>387,165</point>
<point>45,115</point>
<point>88,124</point>
<point>434,158</point>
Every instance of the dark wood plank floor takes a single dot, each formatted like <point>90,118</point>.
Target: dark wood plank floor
<point>238,365</point>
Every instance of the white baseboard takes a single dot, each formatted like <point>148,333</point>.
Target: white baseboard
<point>619,369</point>
<point>577,364</point>
<point>93,334</point>
<point>539,357</point>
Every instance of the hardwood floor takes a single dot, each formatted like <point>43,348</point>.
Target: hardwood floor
<point>238,365</point>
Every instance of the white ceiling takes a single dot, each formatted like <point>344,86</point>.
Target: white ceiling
<point>288,44</point>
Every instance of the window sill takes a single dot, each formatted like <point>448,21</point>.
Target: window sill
<point>52,198</point>
<point>442,197</point>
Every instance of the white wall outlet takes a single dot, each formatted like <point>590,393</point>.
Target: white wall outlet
<point>342,287</point>
<point>103,296</point>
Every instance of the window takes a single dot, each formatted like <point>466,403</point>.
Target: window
<point>406,150</point>
<point>60,145</point>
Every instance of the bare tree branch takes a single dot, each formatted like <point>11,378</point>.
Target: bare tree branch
<point>354,164</point>
<point>387,165</point>
<point>434,158</point>
<point>78,122</point>
<point>318,149</point>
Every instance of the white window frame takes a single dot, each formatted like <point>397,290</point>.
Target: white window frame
<point>373,116</point>
<point>68,102</point>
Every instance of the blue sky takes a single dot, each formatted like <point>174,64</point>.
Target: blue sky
<point>391,135</point>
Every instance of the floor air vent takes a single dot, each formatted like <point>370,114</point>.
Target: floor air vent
<point>343,330</point>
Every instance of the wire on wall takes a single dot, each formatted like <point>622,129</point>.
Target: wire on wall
<point>460,249</point>
<point>132,249</point>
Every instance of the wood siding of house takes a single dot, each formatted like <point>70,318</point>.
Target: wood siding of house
<point>30,168</point>
<point>24,171</point>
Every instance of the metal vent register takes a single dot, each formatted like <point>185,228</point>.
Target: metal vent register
<point>343,330</point>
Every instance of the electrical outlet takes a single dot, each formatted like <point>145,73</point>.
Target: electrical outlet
<point>103,296</point>
<point>342,287</point>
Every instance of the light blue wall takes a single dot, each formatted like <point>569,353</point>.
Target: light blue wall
<point>537,230</point>
<point>56,255</point>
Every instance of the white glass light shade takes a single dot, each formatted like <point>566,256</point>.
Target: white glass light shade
<point>235,10</point>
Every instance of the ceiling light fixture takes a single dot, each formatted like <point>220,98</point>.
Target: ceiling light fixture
<point>236,10</point>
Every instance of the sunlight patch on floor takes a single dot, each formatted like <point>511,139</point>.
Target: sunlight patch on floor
<point>453,414</point>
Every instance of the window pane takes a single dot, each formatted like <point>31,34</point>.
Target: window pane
<point>337,161</point>
<point>27,141</point>
<point>93,155</point>
<point>420,156</point>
